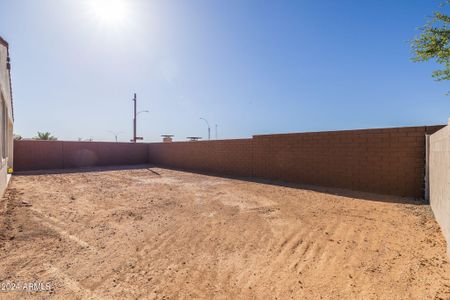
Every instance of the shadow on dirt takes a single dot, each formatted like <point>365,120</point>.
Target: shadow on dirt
<point>327,190</point>
<point>86,170</point>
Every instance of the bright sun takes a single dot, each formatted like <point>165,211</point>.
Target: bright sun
<point>110,12</point>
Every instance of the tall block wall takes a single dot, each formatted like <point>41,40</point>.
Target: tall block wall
<point>227,157</point>
<point>439,166</point>
<point>386,161</point>
<point>45,155</point>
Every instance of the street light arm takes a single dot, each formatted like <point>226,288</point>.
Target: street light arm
<point>142,111</point>
<point>205,121</point>
<point>209,128</point>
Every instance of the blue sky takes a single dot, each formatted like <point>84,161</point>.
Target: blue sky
<point>251,67</point>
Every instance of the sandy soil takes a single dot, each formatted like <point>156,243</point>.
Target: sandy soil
<point>157,233</point>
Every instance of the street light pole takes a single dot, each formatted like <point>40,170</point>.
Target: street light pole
<point>134,119</point>
<point>209,129</point>
<point>116,134</point>
<point>216,131</point>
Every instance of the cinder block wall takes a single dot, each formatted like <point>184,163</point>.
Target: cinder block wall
<point>440,180</point>
<point>44,155</point>
<point>227,157</point>
<point>386,161</point>
<point>38,155</point>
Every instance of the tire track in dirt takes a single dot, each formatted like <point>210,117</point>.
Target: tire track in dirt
<point>42,219</point>
<point>331,233</point>
<point>303,249</point>
<point>73,285</point>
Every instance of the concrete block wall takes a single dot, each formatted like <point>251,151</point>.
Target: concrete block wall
<point>439,168</point>
<point>81,154</point>
<point>45,155</point>
<point>386,161</point>
<point>37,155</point>
<point>227,157</point>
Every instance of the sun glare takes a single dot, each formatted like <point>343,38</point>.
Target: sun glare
<point>110,12</point>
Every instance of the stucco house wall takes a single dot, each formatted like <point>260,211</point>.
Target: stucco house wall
<point>6,116</point>
<point>440,179</point>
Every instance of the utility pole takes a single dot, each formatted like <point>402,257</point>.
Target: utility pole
<point>135,137</point>
<point>134,119</point>
<point>216,131</point>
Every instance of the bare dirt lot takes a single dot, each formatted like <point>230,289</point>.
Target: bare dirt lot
<point>157,233</point>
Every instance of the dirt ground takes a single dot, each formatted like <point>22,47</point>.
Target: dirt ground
<point>152,233</point>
